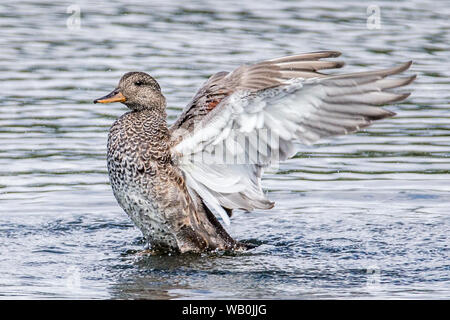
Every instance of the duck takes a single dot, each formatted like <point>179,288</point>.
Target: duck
<point>176,181</point>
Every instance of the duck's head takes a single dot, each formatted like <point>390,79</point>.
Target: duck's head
<point>138,91</point>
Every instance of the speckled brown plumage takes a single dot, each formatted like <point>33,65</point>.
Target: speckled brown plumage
<point>152,190</point>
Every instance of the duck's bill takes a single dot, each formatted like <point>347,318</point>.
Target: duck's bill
<point>115,96</point>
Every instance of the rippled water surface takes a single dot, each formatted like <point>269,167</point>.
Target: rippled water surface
<point>361,216</point>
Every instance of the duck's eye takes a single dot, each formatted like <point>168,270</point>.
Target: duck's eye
<point>138,83</point>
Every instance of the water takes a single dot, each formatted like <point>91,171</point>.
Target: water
<point>361,216</point>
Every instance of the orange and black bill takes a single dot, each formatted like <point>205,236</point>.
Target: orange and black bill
<point>114,96</point>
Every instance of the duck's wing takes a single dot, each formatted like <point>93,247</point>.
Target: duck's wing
<point>262,75</point>
<point>252,78</point>
<point>256,127</point>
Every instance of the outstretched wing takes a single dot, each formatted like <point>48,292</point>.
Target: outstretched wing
<point>253,127</point>
<point>262,75</point>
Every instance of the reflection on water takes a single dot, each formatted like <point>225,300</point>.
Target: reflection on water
<point>359,216</point>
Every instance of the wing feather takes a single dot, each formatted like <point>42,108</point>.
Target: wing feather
<point>263,75</point>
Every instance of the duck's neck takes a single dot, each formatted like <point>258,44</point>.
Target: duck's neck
<point>157,113</point>
<point>153,103</point>
<point>152,119</point>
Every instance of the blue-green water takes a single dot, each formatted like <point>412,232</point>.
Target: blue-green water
<point>361,216</point>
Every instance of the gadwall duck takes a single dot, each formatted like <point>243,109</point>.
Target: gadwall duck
<point>168,179</point>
